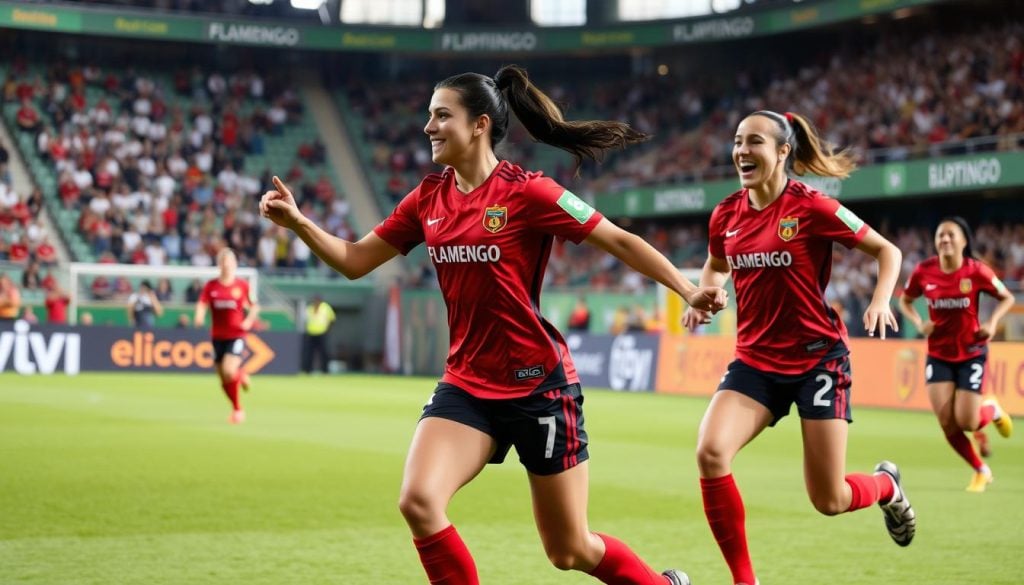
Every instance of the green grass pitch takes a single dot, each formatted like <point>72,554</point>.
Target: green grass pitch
<point>124,478</point>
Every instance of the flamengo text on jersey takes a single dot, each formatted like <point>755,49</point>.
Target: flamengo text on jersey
<point>954,303</point>
<point>482,253</point>
<point>760,260</point>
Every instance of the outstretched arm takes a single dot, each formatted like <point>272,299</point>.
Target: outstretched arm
<point>352,259</point>
<point>642,257</point>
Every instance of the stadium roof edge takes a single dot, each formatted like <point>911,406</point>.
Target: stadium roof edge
<point>152,25</point>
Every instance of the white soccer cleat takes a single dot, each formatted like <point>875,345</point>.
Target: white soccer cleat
<point>900,519</point>
<point>676,577</point>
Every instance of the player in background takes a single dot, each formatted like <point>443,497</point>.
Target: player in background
<point>774,237</point>
<point>488,227</point>
<point>233,314</point>
<point>952,283</point>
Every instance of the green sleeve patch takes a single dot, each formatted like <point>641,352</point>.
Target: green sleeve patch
<point>576,207</point>
<point>998,284</point>
<point>850,219</point>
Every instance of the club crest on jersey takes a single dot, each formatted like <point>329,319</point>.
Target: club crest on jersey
<point>236,293</point>
<point>965,285</point>
<point>788,228</point>
<point>495,218</point>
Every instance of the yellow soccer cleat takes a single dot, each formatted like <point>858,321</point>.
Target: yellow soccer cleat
<point>980,480</point>
<point>1002,420</point>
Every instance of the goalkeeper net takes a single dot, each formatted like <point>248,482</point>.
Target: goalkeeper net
<point>90,282</point>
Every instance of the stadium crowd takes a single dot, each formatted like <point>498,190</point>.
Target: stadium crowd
<point>906,96</point>
<point>155,163</point>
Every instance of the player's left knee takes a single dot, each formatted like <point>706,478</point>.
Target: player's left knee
<point>564,560</point>
<point>829,505</point>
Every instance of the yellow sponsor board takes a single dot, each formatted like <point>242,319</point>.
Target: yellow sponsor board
<point>140,25</point>
<point>601,39</point>
<point>805,16</point>
<point>34,17</point>
<point>368,41</point>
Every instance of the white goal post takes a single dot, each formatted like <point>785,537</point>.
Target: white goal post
<point>80,269</point>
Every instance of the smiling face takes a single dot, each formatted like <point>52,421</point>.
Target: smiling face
<point>757,152</point>
<point>454,136</point>
<point>950,240</point>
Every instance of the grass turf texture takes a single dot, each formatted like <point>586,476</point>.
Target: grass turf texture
<point>139,479</point>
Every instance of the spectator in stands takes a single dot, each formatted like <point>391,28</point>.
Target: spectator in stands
<point>20,251</point>
<point>10,298</point>
<point>29,316</point>
<point>30,279</point>
<point>164,291</point>
<point>579,318</point>
<point>49,282</point>
<point>46,254</point>
<point>195,288</point>
<point>27,117</point>
<point>101,288</point>
<point>144,307</point>
<point>57,301</point>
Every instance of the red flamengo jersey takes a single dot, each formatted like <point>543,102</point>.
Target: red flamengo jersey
<point>953,305</point>
<point>781,260</point>
<point>227,307</point>
<point>490,248</point>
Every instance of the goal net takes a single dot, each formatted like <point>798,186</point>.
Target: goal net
<point>83,275</point>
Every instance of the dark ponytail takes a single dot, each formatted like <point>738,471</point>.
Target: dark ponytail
<point>808,151</point>
<point>966,229</point>
<point>544,121</point>
<point>511,89</point>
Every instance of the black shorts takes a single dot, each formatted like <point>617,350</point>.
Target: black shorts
<point>967,375</point>
<point>222,347</point>
<point>822,393</point>
<point>546,428</point>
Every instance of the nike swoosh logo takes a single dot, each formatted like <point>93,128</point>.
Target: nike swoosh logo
<point>732,233</point>
<point>434,221</point>
<point>930,286</point>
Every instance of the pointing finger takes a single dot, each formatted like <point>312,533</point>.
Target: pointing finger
<point>281,187</point>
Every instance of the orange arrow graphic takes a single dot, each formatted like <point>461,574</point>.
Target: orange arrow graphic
<point>260,354</point>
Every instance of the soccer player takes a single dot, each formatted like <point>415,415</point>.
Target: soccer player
<point>952,283</point>
<point>489,226</point>
<point>774,237</point>
<point>233,314</point>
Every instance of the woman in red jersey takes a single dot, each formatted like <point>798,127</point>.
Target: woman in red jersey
<point>234,313</point>
<point>952,283</point>
<point>774,237</point>
<point>488,226</point>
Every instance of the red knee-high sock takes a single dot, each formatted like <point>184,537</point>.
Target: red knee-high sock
<point>231,390</point>
<point>962,445</point>
<point>621,566</point>
<point>723,507</point>
<point>446,559</point>
<point>868,489</point>
<point>986,413</point>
